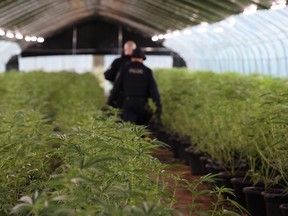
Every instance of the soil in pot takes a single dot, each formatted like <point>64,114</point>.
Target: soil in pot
<point>284,209</point>
<point>255,203</point>
<point>273,199</point>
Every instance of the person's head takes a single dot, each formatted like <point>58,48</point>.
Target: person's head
<point>129,46</point>
<point>138,55</point>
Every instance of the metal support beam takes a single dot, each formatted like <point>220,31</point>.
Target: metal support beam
<point>120,39</point>
<point>74,41</point>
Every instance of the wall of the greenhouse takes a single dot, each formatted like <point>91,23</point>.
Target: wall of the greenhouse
<point>152,61</point>
<point>244,43</point>
<point>7,50</point>
<point>82,63</point>
<point>77,63</point>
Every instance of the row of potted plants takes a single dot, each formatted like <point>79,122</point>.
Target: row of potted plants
<point>234,122</point>
<point>61,155</point>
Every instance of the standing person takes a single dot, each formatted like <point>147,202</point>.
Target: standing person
<point>138,84</point>
<point>113,71</point>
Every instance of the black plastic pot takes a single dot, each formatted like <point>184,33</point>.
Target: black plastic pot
<point>213,168</point>
<point>224,180</point>
<point>239,183</point>
<point>156,127</point>
<point>183,155</point>
<point>255,203</point>
<point>284,209</point>
<point>195,162</point>
<point>273,199</point>
<point>174,147</point>
<point>204,161</point>
<point>163,137</point>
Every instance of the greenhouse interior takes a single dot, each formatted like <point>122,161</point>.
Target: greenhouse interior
<point>144,107</point>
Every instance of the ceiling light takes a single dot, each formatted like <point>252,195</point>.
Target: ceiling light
<point>33,38</point>
<point>2,32</point>
<point>155,38</point>
<point>231,22</point>
<point>187,32</point>
<point>218,30</point>
<point>278,4</point>
<point>251,9</point>
<point>9,34</point>
<point>19,36</point>
<point>176,33</point>
<point>40,39</point>
<point>27,38</point>
<point>204,23</point>
<point>161,37</point>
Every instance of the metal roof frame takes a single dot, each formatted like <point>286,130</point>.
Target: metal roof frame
<point>46,17</point>
<point>36,16</point>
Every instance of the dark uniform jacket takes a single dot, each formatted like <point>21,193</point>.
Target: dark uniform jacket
<point>136,81</point>
<point>116,66</point>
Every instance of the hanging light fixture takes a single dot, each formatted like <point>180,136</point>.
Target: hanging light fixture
<point>155,38</point>
<point>16,34</point>
<point>40,40</point>
<point>161,37</point>
<point>251,9</point>
<point>2,32</point>
<point>34,38</point>
<point>9,34</point>
<point>28,38</point>
<point>231,22</point>
<point>19,36</point>
<point>278,4</point>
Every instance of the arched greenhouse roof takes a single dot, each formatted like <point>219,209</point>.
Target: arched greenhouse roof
<point>43,17</point>
<point>221,35</point>
<point>248,43</point>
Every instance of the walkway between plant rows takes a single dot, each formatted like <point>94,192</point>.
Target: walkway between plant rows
<point>176,167</point>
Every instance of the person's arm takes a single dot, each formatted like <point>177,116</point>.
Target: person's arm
<point>117,88</point>
<point>111,73</point>
<point>154,94</point>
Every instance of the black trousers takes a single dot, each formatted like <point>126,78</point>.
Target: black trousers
<point>135,110</point>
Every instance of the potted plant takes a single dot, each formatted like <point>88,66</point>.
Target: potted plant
<point>270,141</point>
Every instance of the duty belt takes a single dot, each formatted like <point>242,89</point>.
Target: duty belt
<point>135,97</point>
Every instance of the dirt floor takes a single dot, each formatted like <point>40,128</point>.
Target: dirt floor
<point>183,195</point>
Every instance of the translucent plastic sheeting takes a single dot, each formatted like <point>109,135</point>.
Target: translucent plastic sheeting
<point>7,50</point>
<point>44,17</point>
<point>152,61</point>
<point>254,43</point>
<point>82,63</point>
<point>76,63</point>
